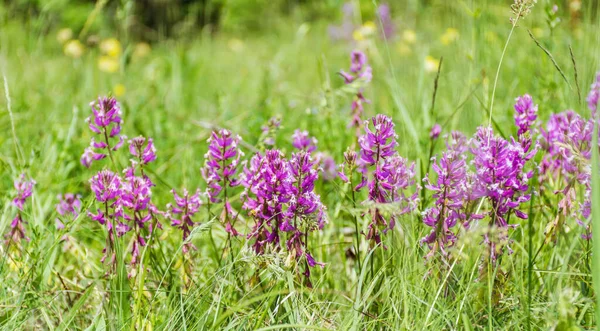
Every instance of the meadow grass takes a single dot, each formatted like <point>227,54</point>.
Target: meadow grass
<point>187,87</point>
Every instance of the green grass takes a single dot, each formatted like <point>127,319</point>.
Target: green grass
<point>184,87</point>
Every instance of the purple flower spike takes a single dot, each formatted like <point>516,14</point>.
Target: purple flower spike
<point>267,183</point>
<point>594,95</point>
<point>452,194</point>
<point>106,185</point>
<point>24,191</point>
<point>220,169</point>
<point>378,144</point>
<point>69,205</point>
<point>360,70</point>
<point>525,113</point>
<point>435,131</point>
<point>142,149</point>
<point>391,175</point>
<point>181,214</point>
<point>502,179</point>
<point>106,122</point>
<point>221,163</point>
<point>302,141</point>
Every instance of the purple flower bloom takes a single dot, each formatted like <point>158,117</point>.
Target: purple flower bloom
<point>327,165</point>
<point>594,95</point>
<point>388,28</point>
<point>219,171</point>
<point>360,71</point>
<point>68,205</point>
<point>302,141</point>
<point>24,191</point>
<point>145,154</point>
<point>525,113</point>
<point>435,131</point>
<point>269,130</point>
<point>501,177</point>
<point>390,177</point>
<point>106,185</point>
<point>268,188</point>
<point>186,207</point>
<point>452,193</point>
<point>105,121</point>
<point>221,163</point>
<point>305,211</point>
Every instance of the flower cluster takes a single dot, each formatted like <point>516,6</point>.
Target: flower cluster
<point>105,122</point>
<point>68,205</point>
<point>302,141</point>
<point>501,178</point>
<point>24,191</point>
<point>267,185</point>
<point>220,169</point>
<point>391,175</point>
<point>359,70</point>
<point>525,113</point>
<point>594,95</point>
<point>181,214</point>
<point>280,197</point>
<point>451,194</point>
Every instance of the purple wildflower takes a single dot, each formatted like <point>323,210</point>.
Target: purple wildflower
<point>24,191</point>
<point>390,177</point>
<point>145,154</point>
<point>594,95</point>
<point>302,141</point>
<point>360,70</point>
<point>268,188</point>
<point>327,165</point>
<point>106,122</point>
<point>305,212</point>
<point>219,170</point>
<point>269,130</point>
<point>502,179</point>
<point>186,206</point>
<point>435,131</point>
<point>68,205</point>
<point>525,113</point>
<point>451,192</point>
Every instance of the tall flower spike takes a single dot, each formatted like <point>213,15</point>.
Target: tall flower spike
<point>105,121</point>
<point>525,113</point>
<point>24,191</point>
<point>305,212</point>
<point>452,194</point>
<point>501,177</point>
<point>268,188</point>
<point>360,70</point>
<point>220,169</point>
<point>181,214</point>
<point>390,177</point>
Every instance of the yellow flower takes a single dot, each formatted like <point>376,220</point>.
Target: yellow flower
<point>403,48</point>
<point>365,31</point>
<point>431,64</point>
<point>409,36</point>
<point>64,35</point>
<point>449,36</point>
<point>74,49</point>
<point>119,90</point>
<point>108,64</point>
<point>111,47</point>
<point>141,50</point>
<point>235,45</point>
